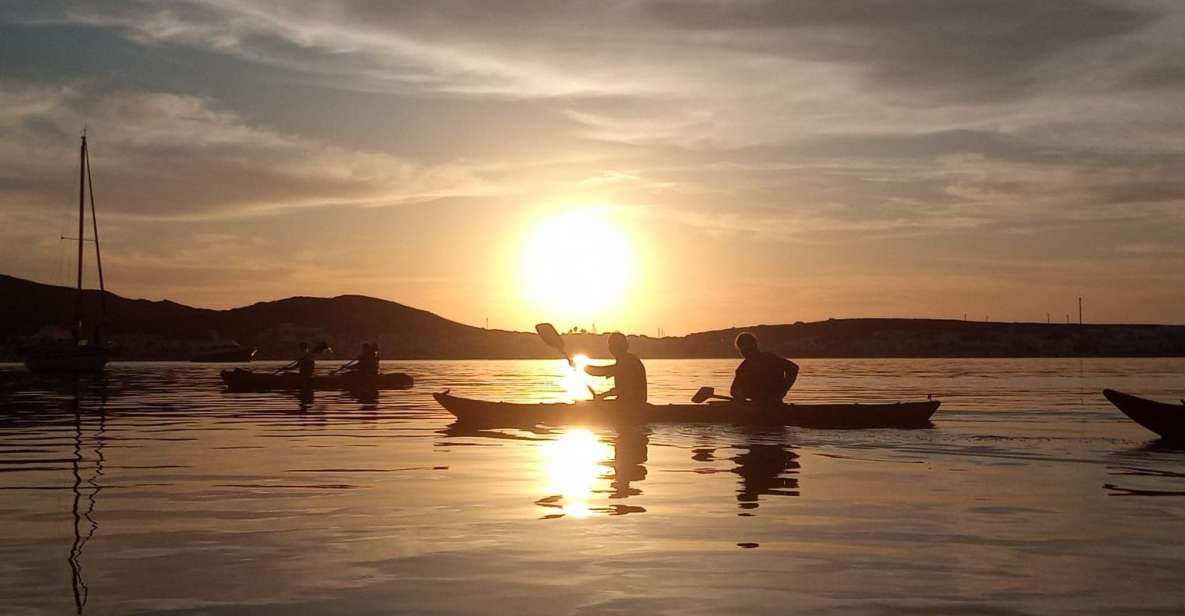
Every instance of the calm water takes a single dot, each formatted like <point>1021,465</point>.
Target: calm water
<point>161,493</point>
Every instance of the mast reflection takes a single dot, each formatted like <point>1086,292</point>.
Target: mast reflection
<point>83,514</point>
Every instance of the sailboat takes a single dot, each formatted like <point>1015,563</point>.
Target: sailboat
<point>86,352</point>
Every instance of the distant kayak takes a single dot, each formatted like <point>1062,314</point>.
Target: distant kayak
<point>246,380</point>
<point>1167,420</point>
<point>896,415</point>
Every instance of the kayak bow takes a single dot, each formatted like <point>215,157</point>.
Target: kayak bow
<point>1167,420</point>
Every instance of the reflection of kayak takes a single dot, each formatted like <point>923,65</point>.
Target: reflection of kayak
<point>897,415</point>
<point>1167,420</point>
<point>231,354</point>
<point>245,380</point>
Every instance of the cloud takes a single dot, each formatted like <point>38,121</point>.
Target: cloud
<point>159,155</point>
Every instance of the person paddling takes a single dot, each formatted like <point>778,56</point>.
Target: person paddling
<point>762,377</point>
<point>305,364</point>
<point>628,373</point>
<point>367,362</point>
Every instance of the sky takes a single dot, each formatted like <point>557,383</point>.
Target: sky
<point>740,162</point>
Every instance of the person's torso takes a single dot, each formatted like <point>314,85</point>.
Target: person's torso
<point>306,365</point>
<point>630,379</point>
<point>764,374</point>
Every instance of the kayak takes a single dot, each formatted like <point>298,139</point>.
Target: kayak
<point>509,414</point>
<point>1167,420</point>
<point>246,380</point>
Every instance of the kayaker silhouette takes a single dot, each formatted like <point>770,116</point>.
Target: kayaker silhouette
<point>628,373</point>
<point>306,363</point>
<point>762,376</point>
<point>366,364</point>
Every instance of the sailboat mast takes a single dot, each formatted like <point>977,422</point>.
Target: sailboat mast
<point>95,226</point>
<point>81,231</point>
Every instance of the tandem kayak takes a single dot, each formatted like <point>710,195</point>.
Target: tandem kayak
<point>509,414</point>
<point>1167,420</point>
<point>246,380</point>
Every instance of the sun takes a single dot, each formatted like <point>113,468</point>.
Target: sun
<point>576,266</point>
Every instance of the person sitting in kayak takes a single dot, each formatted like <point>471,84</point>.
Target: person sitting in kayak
<point>762,376</point>
<point>367,362</point>
<point>628,373</point>
<point>305,364</point>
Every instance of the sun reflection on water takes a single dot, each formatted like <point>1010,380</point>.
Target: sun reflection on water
<point>573,465</point>
<point>575,381</point>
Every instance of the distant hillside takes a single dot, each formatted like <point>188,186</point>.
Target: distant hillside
<point>144,329</point>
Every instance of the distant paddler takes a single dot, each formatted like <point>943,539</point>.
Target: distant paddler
<point>366,364</point>
<point>627,372</point>
<point>306,364</point>
<point>763,376</point>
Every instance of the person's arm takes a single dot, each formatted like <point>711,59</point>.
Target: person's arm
<point>612,393</point>
<point>789,373</point>
<point>605,371</point>
<point>740,384</point>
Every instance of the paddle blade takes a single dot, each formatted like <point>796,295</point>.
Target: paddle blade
<point>703,394</point>
<point>550,336</point>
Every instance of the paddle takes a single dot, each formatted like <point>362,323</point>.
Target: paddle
<point>707,393</point>
<point>552,338</point>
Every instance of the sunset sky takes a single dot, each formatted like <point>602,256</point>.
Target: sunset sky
<point>707,163</point>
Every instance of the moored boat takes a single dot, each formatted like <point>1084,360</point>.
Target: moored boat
<point>1165,419</point>
<point>895,415</point>
<point>246,380</point>
<point>84,352</point>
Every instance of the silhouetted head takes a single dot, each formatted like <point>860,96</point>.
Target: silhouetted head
<point>618,344</point>
<point>304,347</point>
<point>746,343</point>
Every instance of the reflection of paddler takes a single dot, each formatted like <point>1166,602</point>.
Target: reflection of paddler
<point>629,461</point>
<point>760,467</point>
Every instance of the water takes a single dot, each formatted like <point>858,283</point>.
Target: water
<point>161,493</point>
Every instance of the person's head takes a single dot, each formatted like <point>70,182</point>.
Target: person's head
<point>618,344</point>
<point>746,343</point>
<point>304,347</point>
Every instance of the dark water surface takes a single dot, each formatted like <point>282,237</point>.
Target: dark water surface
<point>160,493</point>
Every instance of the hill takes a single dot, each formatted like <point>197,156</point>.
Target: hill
<point>143,329</point>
